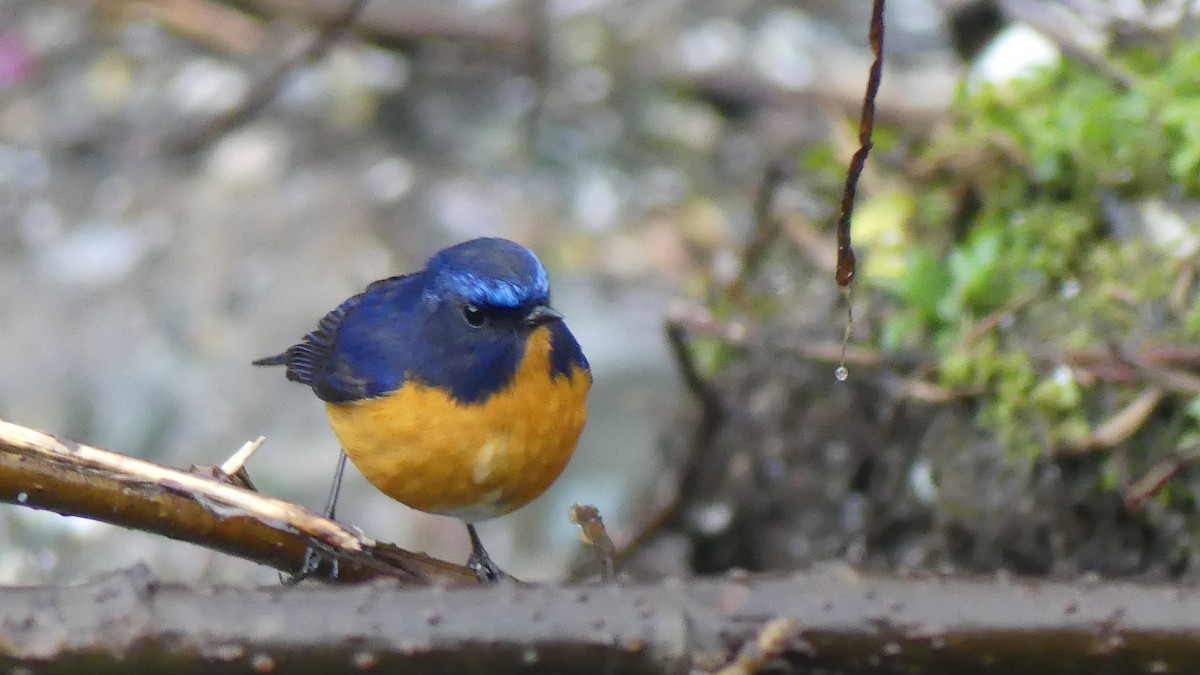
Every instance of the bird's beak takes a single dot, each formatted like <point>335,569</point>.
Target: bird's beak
<point>540,315</point>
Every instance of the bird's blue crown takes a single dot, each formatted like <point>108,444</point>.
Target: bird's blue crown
<point>375,341</point>
<point>494,272</point>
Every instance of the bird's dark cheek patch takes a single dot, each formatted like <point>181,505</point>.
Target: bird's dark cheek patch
<point>468,363</point>
<point>565,353</point>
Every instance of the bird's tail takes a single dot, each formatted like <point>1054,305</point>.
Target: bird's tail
<point>277,360</point>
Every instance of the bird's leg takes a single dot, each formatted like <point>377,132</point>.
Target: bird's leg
<point>480,562</point>
<point>313,559</point>
<point>336,488</point>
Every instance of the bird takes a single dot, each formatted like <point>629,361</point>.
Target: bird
<point>455,390</point>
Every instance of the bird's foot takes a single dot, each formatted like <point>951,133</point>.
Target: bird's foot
<point>316,565</point>
<point>487,571</point>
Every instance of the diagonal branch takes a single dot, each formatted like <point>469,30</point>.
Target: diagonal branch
<point>268,86</point>
<point>40,471</point>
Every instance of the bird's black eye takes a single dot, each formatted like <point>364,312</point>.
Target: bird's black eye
<point>473,316</point>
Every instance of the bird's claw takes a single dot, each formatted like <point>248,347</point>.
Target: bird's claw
<point>315,565</point>
<point>485,570</point>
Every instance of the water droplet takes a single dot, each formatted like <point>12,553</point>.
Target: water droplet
<point>262,663</point>
<point>841,374</point>
<point>22,497</point>
<point>713,518</point>
<point>365,660</point>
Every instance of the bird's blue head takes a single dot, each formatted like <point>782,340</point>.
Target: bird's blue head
<point>462,324</point>
<point>492,273</point>
<point>483,299</point>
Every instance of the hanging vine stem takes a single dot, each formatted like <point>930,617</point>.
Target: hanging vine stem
<point>846,267</point>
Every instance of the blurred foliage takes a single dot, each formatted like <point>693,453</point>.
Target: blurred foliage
<point>1048,214</point>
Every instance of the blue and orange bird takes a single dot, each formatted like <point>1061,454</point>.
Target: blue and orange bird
<point>456,390</point>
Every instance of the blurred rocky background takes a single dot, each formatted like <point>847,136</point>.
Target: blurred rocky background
<point>145,259</point>
<point>1023,390</point>
<point>159,229</point>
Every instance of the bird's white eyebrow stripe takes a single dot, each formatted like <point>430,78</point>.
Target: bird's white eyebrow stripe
<point>501,293</point>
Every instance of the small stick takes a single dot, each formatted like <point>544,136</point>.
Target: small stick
<point>772,642</point>
<point>237,462</point>
<point>677,339</point>
<point>1166,377</point>
<point>846,266</point>
<point>866,125</point>
<point>1123,424</point>
<point>766,226</point>
<point>1158,476</point>
<point>592,529</point>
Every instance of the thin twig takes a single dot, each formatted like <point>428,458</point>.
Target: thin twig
<point>766,225</point>
<point>700,445</point>
<point>539,67</point>
<point>1158,476</point>
<point>774,640</point>
<point>405,25</point>
<point>988,323</point>
<point>846,263</point>
<point>591,528</point>
<point>1120,426</point>
<point>1164,376</point>
<point>213,24</point>
<point>1073,35</point>
<point>237,461</point>
<point>809,240</point>
<point>265,90</point>
<point>1119,364</point>
<point>702,321</point>
<point>696,384</point>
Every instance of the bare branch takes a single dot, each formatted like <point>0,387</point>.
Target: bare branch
<point>267,87</point>
<point>393,24</point>
<point>40,471</point>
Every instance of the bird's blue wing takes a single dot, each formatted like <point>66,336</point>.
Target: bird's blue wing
<point>340,359</point>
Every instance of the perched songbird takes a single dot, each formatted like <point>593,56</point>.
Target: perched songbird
<point>456,390</point>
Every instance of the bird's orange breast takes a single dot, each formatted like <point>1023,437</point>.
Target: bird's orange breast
<point>475,461</point>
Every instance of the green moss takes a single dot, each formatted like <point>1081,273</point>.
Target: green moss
<point>1053,253</point>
